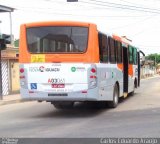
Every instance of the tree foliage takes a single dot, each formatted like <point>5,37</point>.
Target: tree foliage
<point>155,57</point>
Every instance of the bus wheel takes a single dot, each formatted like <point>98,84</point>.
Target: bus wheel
<point>114,103</point>
<point>135,86</point>
<point>63,105</point>
<point>132,93</point>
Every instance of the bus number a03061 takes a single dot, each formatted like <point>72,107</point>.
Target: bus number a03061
<point>56,80</point>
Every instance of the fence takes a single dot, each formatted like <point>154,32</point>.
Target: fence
<point>147,71</point>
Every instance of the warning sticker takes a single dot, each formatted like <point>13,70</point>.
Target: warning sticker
<point>37,58</point>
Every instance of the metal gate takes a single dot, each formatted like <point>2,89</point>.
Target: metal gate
<point>5,77</point>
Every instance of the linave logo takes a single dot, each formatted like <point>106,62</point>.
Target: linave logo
<point>43,69</point>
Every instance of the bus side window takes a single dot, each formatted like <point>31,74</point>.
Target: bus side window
<point>134,56</point>
<point>119,51</point>
<point>112,51</point>
<point>130,55</point>
<point>103,48</point>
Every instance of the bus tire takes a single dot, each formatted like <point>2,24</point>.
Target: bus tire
<point>63,105</point>
<point>132,93</point>
<point>114,103</point>
<point>135,86</point>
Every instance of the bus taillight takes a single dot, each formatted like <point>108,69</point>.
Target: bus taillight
<point>93,77</point>
<point>21,70</point>
<point>93,70</point>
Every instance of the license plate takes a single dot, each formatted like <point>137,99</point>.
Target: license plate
<point>58,85</point>
<point>57,94</point>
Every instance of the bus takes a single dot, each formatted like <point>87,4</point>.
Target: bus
<point>63,62</point>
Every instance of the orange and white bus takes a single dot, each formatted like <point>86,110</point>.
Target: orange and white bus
<point>63,62</point>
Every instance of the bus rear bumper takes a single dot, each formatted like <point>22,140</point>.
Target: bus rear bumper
<point>85,95</point>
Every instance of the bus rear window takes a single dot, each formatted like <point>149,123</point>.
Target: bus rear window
<point>57,39</point>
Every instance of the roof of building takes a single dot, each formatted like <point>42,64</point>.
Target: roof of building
<point>6,9</point>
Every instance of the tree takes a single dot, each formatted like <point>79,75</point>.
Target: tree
<point>155,57</point>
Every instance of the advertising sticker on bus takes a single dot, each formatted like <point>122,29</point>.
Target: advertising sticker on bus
<point>37,58</point>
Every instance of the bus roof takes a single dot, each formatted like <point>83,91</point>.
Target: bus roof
<point>58,23</point>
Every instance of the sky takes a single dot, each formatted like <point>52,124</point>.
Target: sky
<point>139,20</point>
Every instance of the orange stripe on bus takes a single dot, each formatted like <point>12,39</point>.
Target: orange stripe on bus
<point>130,70</point>
<point>120,66</point>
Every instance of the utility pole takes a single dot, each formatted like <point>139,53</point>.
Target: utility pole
<point>10,17</point>
<point>155,59</point>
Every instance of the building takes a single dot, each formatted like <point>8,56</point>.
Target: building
<point>9,62</point>
<point>158,68</point>
<point>148,69</point>
<point>10,70</point>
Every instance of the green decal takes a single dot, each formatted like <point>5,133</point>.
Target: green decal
<point>73,69</point>
<point>112,74</point>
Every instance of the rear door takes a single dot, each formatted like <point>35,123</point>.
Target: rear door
<point>125,68</point>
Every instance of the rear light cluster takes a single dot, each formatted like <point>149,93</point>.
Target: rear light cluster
<point>93,77</point>
<point>93,70</point>
<point>21,70</point>
<point>22,76</point>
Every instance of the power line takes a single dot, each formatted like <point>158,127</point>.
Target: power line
<point>127,25</point>
<point>156,46</point>
<point>134,6</point>
<point>147,46</point>
<point>43,10</point>
<point>132,3</point>
<point>103,4</point>
<point>122,6</point>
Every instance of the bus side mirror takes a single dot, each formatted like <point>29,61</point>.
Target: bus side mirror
<point>142,60</point>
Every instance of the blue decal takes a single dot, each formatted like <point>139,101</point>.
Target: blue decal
<point>33,85</point>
